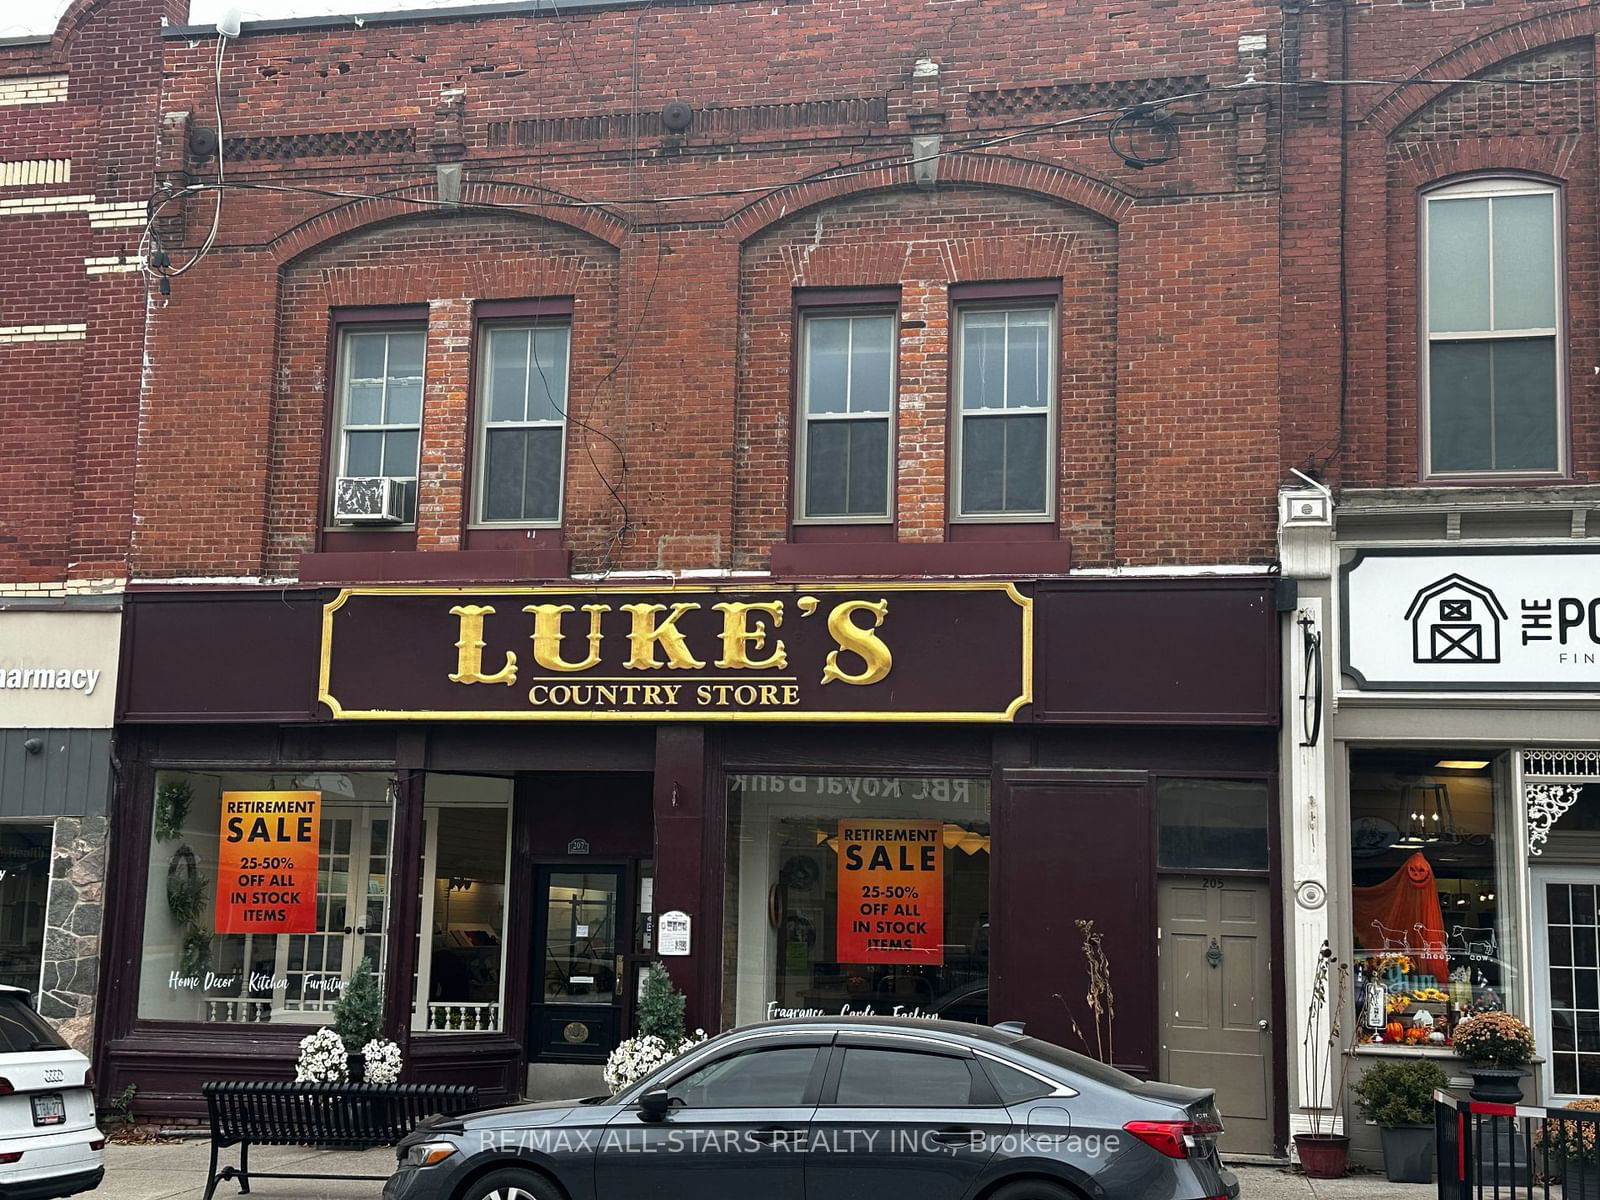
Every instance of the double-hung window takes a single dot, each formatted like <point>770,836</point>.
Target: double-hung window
<point>522,421</point>
<point>380,406</point>
<point>847,389</point>
<point>1005,388</point>
<point>1491,319</point>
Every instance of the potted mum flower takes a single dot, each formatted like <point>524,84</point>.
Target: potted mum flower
<point>322,1058</point>
<point>1496,1048</point>
<point>382,1058</point>
<point>1397,1096</point>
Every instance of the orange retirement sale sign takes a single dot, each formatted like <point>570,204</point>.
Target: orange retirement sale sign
<point>891,892</point>
<point>267,863</point>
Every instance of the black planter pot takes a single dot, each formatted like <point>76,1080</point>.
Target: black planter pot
<point>357,1068</point>
<point>1408,1153</point>
<point>1497,1085</point>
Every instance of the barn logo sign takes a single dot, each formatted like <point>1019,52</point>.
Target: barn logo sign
<point>938,652</point>
<point>1523,619</point>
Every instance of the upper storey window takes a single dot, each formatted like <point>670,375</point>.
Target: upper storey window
<point>1492,322</point>
<point>847,387</point>
<point>1004,386</point>
<point>522,421</point>
<point>379,416</point>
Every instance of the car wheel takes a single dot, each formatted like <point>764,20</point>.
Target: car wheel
<point>512,1183</point>
<point>1033,1189</point>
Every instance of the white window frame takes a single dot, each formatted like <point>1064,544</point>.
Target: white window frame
<point>805,418</point>
<point>959,413</point>
<point>341,407</point>
<point>1544,1020</point>
<point>420,1007</point>
<point>480,439</point>
<point>1489,188</point>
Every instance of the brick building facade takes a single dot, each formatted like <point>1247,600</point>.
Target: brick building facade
<point>79,112</point>
<point>667,345</point>
<point>1437,371</point>
<point>690,201</point>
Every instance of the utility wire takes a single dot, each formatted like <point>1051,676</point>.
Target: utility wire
<point>167,272</point>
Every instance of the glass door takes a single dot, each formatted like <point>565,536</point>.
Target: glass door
<point>352,910</point>
<point>582,932</point>
<point>1566,923</point>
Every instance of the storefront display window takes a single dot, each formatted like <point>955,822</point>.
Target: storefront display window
<point>265,892</point>
<point>466,859</point>
<point>1430,908</point>
<point>24,890</point>
<point>857,894</point>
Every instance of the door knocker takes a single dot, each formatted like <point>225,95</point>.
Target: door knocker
<point>1214,954</point>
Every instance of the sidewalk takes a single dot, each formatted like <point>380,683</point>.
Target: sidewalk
<point>1278,1183</point>
<point>178,1172</point>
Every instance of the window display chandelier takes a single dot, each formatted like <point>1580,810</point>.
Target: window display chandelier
<point>1425,812</point>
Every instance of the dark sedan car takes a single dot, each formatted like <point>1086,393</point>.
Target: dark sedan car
<point>840,1109</point>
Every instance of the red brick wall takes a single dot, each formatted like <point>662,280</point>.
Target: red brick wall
<point>1395,141</point>
<point>69,406</point>
<point>1170,338</point>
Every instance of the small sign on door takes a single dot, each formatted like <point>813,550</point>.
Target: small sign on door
<point>674,934</point>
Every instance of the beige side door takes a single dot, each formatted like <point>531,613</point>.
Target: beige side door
<point>1216,999</point>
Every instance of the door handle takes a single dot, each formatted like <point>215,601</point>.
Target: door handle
<point>347,929</point>
<point>361,931</point>
<point>953,1137</point>
<point>1263,1025</point>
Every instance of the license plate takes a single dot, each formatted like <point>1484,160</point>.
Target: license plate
<point>49,1109</point>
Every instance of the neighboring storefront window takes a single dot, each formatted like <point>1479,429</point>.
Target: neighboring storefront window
<point>265,892</point>
<point>466,857</point>
<point>1433,936</point>
<point>851,893</point>
<point>24,890</point>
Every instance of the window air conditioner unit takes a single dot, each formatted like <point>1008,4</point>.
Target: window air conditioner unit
<point>367,500</point>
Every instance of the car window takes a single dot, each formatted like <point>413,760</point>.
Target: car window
<point>1014,1086</point>
<point>902,1078</point>
<point>22,1029</point>
<point>756,1079</point>
<point>1078,1064</point>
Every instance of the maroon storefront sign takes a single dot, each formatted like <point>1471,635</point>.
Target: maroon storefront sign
<point>820,652</point>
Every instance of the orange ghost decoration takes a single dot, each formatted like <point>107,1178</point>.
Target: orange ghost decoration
<point>1402,915</point>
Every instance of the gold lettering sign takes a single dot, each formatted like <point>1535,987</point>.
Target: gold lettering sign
<point>828,652</point>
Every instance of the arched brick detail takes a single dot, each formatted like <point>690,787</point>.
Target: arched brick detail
<point>358,215</point>
<point>991,170</point>
<point>496,279</point>
<point>80,12</point>
<point>1513,41</point>
<point>924,242</point>
<point>1552,158</point>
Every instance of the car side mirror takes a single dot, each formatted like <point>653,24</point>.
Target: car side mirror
<point>655,1104</point>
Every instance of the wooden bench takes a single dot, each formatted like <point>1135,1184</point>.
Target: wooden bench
<point>346,1116</point>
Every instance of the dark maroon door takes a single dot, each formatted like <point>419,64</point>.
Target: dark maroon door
<point>1072,846</point>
